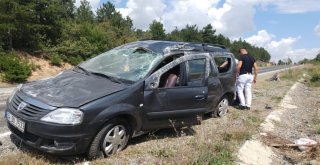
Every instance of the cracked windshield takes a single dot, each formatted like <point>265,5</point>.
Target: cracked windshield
<point>129,64</point>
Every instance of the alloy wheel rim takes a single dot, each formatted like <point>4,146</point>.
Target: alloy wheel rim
<point>223,107</point>
<point>115,140</point>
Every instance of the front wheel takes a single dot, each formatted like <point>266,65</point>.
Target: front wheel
<point>222,108</point>
<point>110,140</point>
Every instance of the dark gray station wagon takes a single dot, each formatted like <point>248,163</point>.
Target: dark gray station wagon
<point>96,107</point>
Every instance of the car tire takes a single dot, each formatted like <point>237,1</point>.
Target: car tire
<point>111,139</point>
<point>222,108</point>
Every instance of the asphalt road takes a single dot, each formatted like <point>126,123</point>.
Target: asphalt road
<point>3,123</point>
<point>5,133</point>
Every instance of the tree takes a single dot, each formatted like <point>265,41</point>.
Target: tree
<point>317,58</point>
<point>105,12</point>
<point>280,62</point>
<point>84,12</point>
<point>29,25</point>
<point>190,34</point>
<point>157,31</point>
<point>208,34</point>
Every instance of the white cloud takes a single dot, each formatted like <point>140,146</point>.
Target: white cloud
<point>281,49</point>
<point>300,54</point>
<point>296,6</point>
<point>143,12</point>
<point>232,19</point>
<point>261,39</point>
<point>317,30</point>
<point>94,4</point>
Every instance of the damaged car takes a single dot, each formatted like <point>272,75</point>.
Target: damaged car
<point>97,106</point>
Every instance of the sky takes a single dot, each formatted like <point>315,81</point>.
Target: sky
<point>286,28</point>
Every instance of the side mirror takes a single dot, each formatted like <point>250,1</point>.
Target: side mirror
<point>152,85</point>
<point>152,82</point>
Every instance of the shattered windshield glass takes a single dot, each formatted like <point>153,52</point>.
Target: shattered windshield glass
<point>124,63</point>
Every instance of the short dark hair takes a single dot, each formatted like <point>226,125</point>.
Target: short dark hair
<point>242,48</point>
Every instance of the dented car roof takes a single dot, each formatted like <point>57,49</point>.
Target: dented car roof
<point>166,47</point>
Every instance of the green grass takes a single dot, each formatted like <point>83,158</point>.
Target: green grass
<point>217,154</point>
<point>310,74</point>
<point>277,98</point>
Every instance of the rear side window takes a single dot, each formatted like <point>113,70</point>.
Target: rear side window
<point>196,72</point>
<point>223,64</point>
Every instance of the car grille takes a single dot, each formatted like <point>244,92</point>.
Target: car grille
<point>29,112</point>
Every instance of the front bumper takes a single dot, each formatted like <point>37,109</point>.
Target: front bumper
<point>54,138</point>
<point>48,137</point>
<point>53,145</point>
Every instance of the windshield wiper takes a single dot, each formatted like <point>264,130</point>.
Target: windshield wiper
<point>114,79</point>
<point>84,70</point>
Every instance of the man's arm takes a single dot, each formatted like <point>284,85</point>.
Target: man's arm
<point>255,67</point>
<point>239,65</point>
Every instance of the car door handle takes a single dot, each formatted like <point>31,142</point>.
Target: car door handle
<point>199,97</point>
<point>214,84</point>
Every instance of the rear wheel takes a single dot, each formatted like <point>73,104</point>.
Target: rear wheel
<point>110,140</point>
<point>222,108</point>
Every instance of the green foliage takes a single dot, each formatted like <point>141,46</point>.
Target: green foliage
<point>13,68</point>
<point>75,60</point>
<point>315,75</point>
<point>31,25</point>
<point>218,154</point>
<point>157,31</point>
<point>76,33</point>
<point>84,12</point>
<point>55,60</point>
<point>208,34</point>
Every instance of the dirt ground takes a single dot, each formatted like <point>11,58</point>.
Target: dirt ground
<point>298,118</point>
<point>216,140</point>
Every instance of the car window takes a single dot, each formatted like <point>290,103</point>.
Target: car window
<point>223,63</point>
<point>171,78</point>
<point>196,72</point>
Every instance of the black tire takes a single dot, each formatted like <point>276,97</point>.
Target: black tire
<point>115,141</point>
<point>222,107</point>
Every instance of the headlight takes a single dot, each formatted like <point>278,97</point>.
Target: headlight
<point>64,116</point>
<point>14,92</point>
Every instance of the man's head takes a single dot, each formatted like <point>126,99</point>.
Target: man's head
<point>243,51</point>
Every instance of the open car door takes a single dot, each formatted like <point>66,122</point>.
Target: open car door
<point>176,94</point>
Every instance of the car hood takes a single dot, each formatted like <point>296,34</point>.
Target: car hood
<point>71,89</point>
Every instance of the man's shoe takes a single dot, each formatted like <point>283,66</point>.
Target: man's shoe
<point>241,107</point>
<point>247,108</point>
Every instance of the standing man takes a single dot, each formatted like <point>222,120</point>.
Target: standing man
<point>245,78</point>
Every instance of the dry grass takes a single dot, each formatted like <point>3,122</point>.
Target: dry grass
<point>215,141</point>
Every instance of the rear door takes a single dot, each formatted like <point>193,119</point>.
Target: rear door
<point>181,104</point>
<point>214,87</point>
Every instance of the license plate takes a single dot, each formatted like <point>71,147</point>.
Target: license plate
<point>15,122</point>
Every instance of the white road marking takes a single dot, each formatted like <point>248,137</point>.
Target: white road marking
<point>2,135</point>
<point>2,103</point>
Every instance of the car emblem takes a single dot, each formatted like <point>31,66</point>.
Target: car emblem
<point>21,106</point>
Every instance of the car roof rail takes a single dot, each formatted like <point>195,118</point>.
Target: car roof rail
<point>215,45</point>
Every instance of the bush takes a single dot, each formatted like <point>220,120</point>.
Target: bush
<point>55,60</point>
<point>74,60</point>
<point>14,69</point>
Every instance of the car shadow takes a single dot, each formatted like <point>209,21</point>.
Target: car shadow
<point>162,134</point>
<point>54,159</point>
